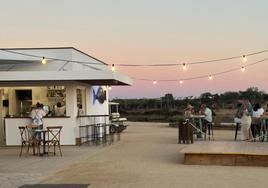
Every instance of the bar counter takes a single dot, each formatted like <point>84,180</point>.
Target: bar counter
<point>68,133</point>
<point>26,117</point>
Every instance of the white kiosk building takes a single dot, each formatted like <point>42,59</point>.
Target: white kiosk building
<point>49,76</point>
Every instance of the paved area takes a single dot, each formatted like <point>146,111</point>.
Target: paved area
<point>147,156</point>
<point>16,171</point>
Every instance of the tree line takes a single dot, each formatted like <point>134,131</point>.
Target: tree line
<point>169,103</point>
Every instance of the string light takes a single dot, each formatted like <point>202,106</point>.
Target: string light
<point>44,61</point>
<point>197,62</point>
<point>245,58</point>
<point>184,66</point>
<point>154,82</point>
<point>210,77</point>
<point>113,68</point>
<point>181,82</point>
<point>214,74</point>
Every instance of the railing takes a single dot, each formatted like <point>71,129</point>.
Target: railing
<point>95,129</point>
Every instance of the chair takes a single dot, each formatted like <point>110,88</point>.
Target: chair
<point>27,139</point>
<point>24,138</point>
<point>53,138</point>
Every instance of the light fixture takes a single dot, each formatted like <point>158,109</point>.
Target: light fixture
<point>109,88</point>
<point>184,66</point>
<point>210,77</point>
<point>244,58</point>
<point>243,69</point>
<point>113,67</point>
<point>154,82</point>
<point>44,61</point>
<point>181,82</point>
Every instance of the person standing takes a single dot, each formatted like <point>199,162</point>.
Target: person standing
<point>37,115</point>
<point>60,110</point>
<point>246,112</point>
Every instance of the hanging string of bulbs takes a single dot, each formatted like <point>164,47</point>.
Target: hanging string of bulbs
<point>244,57</point>
<point>210,76</point>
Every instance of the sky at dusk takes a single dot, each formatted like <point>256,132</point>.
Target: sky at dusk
<point>150,32</point>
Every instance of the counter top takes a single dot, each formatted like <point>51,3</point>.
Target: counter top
<point>25,117</point>
<point>81,116</point>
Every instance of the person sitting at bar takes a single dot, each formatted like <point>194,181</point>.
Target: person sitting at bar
<point>207,112</point>
<point>37,115</point>
<point>208,115</point>
<point>188,111</point>
<point>60,110</point>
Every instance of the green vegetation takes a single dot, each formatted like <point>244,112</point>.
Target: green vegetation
<point>169,109</point>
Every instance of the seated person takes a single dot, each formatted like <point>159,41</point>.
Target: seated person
<point>60,110</point>
<point>188,111</point>
<point>208,114</point>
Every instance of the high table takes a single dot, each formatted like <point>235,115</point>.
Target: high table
<point>195,118</point>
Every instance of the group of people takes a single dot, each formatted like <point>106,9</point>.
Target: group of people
<point>245,112</point>
<point>244,115</point>
<point>202,110</point>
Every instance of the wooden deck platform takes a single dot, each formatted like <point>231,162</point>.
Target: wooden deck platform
<point>227,153</point>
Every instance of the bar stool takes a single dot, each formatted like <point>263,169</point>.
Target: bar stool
<point>209,127</point>
<point>99,133</point>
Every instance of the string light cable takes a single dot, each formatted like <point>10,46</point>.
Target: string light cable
<point>210,76</point>
<point>244,57</point>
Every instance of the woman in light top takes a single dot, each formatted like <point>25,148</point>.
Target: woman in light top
<point>245,112</point>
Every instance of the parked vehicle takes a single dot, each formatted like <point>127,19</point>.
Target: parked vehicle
<point>118,124</point>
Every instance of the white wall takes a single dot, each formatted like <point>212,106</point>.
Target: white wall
<point>13,136</point>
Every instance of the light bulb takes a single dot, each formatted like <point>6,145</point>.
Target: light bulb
<point>181,82</point>
<point>113,67</point>
<point>184,66</point>
<point>210,77</point>
<point>44,61</point>
<point>245,58</point>
<point>154,82</point>
<point>243,69</point>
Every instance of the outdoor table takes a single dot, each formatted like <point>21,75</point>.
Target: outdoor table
<point>43,138</point>
<point>199,119</point>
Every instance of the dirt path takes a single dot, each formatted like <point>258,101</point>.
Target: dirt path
<point>148,156</point>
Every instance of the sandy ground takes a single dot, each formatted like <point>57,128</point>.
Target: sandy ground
<point>148,156</point>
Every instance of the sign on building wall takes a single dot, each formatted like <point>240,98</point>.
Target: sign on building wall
<point>99,94</point>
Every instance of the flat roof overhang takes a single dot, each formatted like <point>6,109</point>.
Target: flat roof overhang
<point>101,77</point>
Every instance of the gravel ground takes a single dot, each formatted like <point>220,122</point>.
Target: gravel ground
<point>148,156</point>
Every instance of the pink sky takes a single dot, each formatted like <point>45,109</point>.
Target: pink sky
<point>149,32</point>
